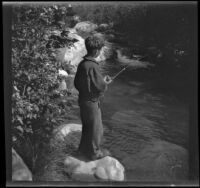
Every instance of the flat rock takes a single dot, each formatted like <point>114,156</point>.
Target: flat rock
<point>61,132</point>
<point>107,168</point>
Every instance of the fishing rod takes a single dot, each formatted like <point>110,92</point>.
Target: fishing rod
<point>113,77</point>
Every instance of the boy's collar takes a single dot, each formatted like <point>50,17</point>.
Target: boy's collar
<point>91,59</point>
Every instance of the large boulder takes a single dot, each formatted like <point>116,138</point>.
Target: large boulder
<point>20,171</point>
<point>107,168</point>
<point>74,54</point>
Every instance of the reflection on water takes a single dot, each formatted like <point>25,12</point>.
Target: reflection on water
<point>139,120</point>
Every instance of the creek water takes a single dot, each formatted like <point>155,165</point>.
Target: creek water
<point>138,111</point>
<point>145,113</point>
<point>146,120</point>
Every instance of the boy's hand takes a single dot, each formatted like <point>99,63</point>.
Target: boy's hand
<point>107,79</point>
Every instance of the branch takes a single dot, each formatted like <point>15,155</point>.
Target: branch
<point>24,90</point>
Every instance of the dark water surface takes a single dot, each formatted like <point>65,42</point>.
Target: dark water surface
<point>140,118</point>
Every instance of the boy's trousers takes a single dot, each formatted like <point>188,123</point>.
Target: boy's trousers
<point>92,128</point>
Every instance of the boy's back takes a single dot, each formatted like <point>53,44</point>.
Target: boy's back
<point>89,81</point>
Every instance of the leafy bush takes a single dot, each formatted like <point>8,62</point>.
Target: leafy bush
<point>36,105</point>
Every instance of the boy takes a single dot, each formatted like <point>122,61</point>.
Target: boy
<point>91,86</point>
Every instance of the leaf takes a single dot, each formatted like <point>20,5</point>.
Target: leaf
<point>20,129</point>
<point>29,130</point>
<point>16,89</point>
<point>28,88</point>
<point>20,120</point>
<point>21,111</point>
<point>14,138</point>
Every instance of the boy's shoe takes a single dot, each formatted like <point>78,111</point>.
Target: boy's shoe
<point>82,156</point>
<point>101,154</point>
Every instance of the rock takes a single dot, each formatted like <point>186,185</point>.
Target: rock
<point>62,73</point>
<point>101,173</point>
<point>103,27</point>
<point>107,168</point>
<point>62,131</point>
<point>70,82</point>
<point>110,169</point>
<point>85,27</point>
<point>20,171</point>
<point>132,62</point>
<point>74,54</point>
<point>62,86</point>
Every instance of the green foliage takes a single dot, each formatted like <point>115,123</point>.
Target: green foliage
<point>35,102</point>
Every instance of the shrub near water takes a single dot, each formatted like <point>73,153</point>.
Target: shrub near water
<point>35,104</point>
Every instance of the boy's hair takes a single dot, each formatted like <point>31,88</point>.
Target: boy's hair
<point>93,43</point>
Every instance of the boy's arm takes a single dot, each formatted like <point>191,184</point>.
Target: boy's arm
<point>97,80</point>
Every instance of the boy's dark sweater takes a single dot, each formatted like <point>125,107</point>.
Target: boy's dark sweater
<point>89,81</point>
